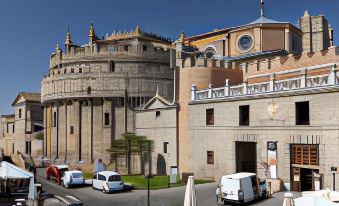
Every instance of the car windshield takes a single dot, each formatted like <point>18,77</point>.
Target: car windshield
<point>77,175</point>
<point>113,178</point>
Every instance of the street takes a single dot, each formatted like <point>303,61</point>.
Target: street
<point>164,197</point>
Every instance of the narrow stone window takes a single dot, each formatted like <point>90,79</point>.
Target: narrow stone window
<point>13,128</point>
<point>80,70</point>
<point>112,66</point>
<point>19,113</point>
<point>65,71</point>
<point>157,113</point>
<point>106,122</point>
<point>209,116</point>
<point>302,113</point>
<point>125,47</point>
<point>166,147</point>
<point>144,48</point>
<point>71,131</point>
<point>54,119</point>
<point>72,70</point>
<point>89,89</point>
<point>210,157</point>
<point>244,115</point>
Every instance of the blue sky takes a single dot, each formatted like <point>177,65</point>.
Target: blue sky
<point>30,29</point>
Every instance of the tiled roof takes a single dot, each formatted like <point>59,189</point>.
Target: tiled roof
<point>28,97</point>
<point>264,20</point>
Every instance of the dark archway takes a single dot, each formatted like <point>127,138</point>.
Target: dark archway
<point>161,165</point>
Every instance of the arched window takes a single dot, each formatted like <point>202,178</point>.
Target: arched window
<point>210,52</point>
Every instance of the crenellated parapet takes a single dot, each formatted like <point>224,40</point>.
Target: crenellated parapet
<point>258,67</point>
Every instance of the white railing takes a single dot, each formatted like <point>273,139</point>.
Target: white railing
<point>301,82</point>
<point>321,80</point>
<point>258,88</point>
<point>236,90</point>
<point>287,84</point>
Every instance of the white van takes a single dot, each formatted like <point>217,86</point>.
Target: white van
<point>240,188</point>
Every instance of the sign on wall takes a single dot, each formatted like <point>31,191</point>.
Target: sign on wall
<point>272,158</point>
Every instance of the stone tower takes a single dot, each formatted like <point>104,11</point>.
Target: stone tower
<point>316,34</point>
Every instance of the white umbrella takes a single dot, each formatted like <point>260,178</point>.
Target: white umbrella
<point>288,199</point>
<point>190,196</point>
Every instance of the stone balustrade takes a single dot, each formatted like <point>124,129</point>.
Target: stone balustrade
<point>303,81</point>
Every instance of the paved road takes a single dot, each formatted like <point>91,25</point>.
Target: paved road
<point>165,197</point>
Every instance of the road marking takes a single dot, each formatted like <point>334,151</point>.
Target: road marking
<point>72,197</point>
<point>62,199</point>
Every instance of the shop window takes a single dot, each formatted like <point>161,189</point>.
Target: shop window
<point>209,116</point>
<point>244,115</point>
<point>305,154</point>
<point>302,113</point>
<point>210,157</point>
<point>106,122</point>
<point>166,147</point>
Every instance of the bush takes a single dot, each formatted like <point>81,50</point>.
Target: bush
<point>39,136</point>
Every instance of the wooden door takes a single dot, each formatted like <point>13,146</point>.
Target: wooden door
<point>296,179</point>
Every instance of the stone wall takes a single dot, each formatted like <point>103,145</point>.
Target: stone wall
<point>160,129</point>
<point>221,137</point>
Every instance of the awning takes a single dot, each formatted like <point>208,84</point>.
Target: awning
<point>10,171</point>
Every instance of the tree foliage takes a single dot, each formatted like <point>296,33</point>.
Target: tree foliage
<point>137,143</point>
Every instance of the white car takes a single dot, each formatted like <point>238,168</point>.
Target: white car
<point>107,181</point>
<point>72,178</point>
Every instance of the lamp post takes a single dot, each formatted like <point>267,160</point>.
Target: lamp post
<point>333,170</point>
<point>149,175</point>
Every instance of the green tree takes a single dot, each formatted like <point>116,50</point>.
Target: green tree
<point>131,144</point>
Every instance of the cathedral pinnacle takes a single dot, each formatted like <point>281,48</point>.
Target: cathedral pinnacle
<point>182,36</point>
<point>68,38</point>
<point>91,34</point>
<point>137,30</point>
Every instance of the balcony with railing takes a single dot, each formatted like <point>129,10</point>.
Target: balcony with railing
<point>301,82</point>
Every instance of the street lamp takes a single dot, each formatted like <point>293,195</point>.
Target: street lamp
<point>149,175</point>
<point>334,170</point>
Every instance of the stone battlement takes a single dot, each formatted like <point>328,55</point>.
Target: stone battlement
<point>104,52</point>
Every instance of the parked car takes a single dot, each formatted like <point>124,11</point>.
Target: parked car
<point>54,173</point>
<point>240,188</point>
<point>72,178</point>
<point>107,181</point>
<point>61,175</point>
